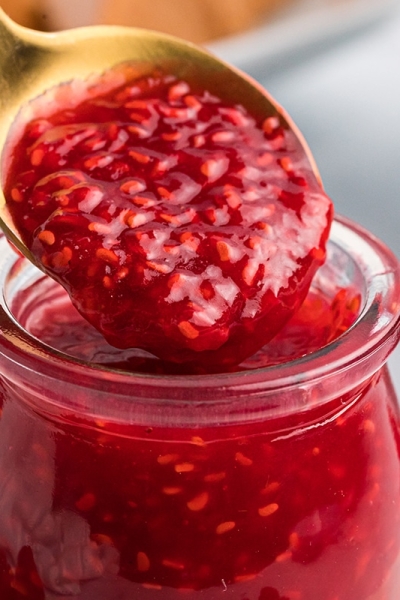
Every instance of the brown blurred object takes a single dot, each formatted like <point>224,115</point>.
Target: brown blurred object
<point>195,20</point>
<point>29,13</point>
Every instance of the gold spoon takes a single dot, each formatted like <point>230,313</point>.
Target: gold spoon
<point>33,62</point>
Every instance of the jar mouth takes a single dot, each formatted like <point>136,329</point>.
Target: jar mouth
<point>363,348</point>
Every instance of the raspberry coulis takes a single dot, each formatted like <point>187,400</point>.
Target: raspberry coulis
<point>178,224</point>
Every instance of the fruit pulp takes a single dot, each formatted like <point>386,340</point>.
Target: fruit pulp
<point>296,507</point>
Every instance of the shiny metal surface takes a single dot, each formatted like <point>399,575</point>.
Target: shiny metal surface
<point>32,62</point>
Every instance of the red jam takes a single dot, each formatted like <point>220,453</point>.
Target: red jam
<point>270,510</point>
<point>177,223</point>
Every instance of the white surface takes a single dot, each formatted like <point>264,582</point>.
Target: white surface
<point>299,28</point>
<point>345,97</point>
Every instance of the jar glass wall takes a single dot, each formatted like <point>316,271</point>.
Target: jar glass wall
<point>278,483</point>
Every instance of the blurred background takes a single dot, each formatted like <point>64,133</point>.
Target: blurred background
<point>333,64</point>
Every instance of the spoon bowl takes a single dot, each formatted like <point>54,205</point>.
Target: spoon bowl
<point>33,63</point>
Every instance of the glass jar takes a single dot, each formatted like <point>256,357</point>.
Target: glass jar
<point>277,483</point>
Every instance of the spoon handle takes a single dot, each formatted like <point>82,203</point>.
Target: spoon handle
<point>22,51</point>
<point>10,32</point>
<point>10,48</point>
<point>6,23</point>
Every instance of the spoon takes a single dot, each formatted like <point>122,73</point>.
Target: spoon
<point>33,62</point>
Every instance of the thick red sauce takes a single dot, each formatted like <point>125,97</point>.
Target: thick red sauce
<point>272,510</point>
<point>178,223</point>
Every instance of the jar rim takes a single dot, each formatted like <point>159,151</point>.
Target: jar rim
<point>365,346</point>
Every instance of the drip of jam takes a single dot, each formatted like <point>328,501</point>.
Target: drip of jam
<point>46,311</point>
